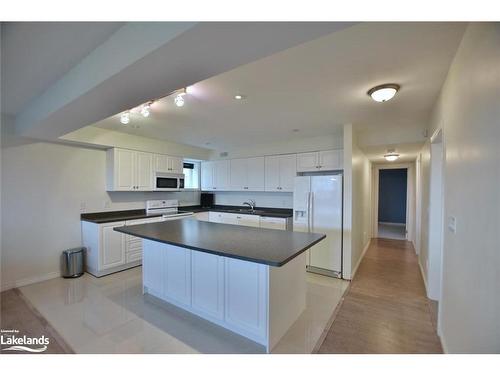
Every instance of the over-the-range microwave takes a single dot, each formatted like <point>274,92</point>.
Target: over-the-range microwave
<point>168,181</point>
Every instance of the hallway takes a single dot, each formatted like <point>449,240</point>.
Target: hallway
<point>386,309</point>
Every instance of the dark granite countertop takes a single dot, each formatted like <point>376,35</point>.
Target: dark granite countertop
<point>259,245</point>
<point>111,216</point>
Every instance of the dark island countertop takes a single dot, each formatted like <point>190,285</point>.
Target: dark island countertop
<point>259,245</point>
<point>111,216</point>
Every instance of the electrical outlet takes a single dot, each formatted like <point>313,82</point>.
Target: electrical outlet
<point>452,224</point>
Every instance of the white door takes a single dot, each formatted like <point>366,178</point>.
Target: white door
<point>307,162</point>
<point>208,284</point>
<point>221,174</point>
<point>125,169</point>
<point>326,215</point>
<point>112,246</point>
<point>287,172</point>
<point>272,173</point>
<point>175,164</point>
<point>207,175</point>
<point>329,160</point>
<point>177,278</point>
<point>144,170</point>
<point>238,174</point>
<point>246,297</point>
<point>255,174</point>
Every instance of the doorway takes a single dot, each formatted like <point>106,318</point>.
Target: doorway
<point>392,203</point>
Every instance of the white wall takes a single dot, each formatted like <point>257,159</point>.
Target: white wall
<point>43,188</point>
<point>357,203</point>
<point>262,199</point>
<point>468,111</point>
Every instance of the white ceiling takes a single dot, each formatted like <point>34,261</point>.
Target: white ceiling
<point>36,54</point>
<point>315,87</point>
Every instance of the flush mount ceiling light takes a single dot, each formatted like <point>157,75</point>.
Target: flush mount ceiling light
<point>391,155</point>
<point>179,100</point>
<point>125,118</point>
<point>383,93</point>
<point>239,97</point>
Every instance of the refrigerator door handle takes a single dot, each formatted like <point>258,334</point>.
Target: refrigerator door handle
<point>309,212</point>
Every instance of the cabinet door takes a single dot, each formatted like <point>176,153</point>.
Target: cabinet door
<point>144,170</point>
<point>238,174</point>
<point>215,217</point>
<point>246,297</point>
<point>272,167</point>
<point>202,216</point>
<point>255,174</point>
<point>207,284</point>
<point>125,169</point>
<point>175,164</point>
<point>330,160</point>
<point>227,218</point>
<point>207,175</point>
<point>287,172</point>
<point>307,162</point>
<point>221,174</point>
<point>272,223</point>
<point>112,246</point>
<point>177,278</point>
<point>248,220</point>
<point>161,163</point>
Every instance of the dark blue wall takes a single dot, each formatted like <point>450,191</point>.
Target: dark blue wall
<point>392,195</point>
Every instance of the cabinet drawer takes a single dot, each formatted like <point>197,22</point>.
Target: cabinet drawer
<point>134,245</point>
<point>133,256</point>
<point>273,223</point>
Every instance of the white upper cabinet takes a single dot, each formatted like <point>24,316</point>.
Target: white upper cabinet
<point>307,162</point>
<point>215,175</point>
<point>129,170</point>
<point>207,175</point>
<point>280,171</point>
<point>320,161</point>
<point>247,174</point>
<point>168,164</point>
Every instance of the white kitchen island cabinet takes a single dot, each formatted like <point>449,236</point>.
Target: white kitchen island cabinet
<point>249,280</point>
<point>241,296</point>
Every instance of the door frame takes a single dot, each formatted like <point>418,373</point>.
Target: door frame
<point>410,193</point>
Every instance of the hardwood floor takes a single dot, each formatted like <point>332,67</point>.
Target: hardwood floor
<point>17,313</point>
<point>386,309</point>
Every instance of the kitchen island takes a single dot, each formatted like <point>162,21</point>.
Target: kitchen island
<point>248,280</point>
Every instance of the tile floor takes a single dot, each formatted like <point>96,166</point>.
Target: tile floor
<point>391,231</point>
<point>110,315</point>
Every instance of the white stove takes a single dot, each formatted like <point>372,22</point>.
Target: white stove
<point>168,208</point>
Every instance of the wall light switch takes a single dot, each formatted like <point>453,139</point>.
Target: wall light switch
<point>452,224</point>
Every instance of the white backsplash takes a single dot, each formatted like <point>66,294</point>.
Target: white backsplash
<point>263,199</point>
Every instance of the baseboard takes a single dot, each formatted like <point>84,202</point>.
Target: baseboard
<point>29,280</point>
<point>423,277</point>
<point>365,249</point>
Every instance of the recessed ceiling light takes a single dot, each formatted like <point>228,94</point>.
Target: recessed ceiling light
<point>391,155</point>
<point>125,118</point>
<point>239,97</point>
<point>383,93</point>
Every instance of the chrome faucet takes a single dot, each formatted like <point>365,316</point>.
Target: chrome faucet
<point>251,204</point>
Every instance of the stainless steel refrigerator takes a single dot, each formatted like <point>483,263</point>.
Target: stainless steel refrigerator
<point>317,207</point>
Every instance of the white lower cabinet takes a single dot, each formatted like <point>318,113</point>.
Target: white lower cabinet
<point>273,222</point>
<point>246,297</point>
<point>112,252</point>
<point>226,291</point>
<point>177,278</point>
<point>207,284</point>
<point>202,216</point>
